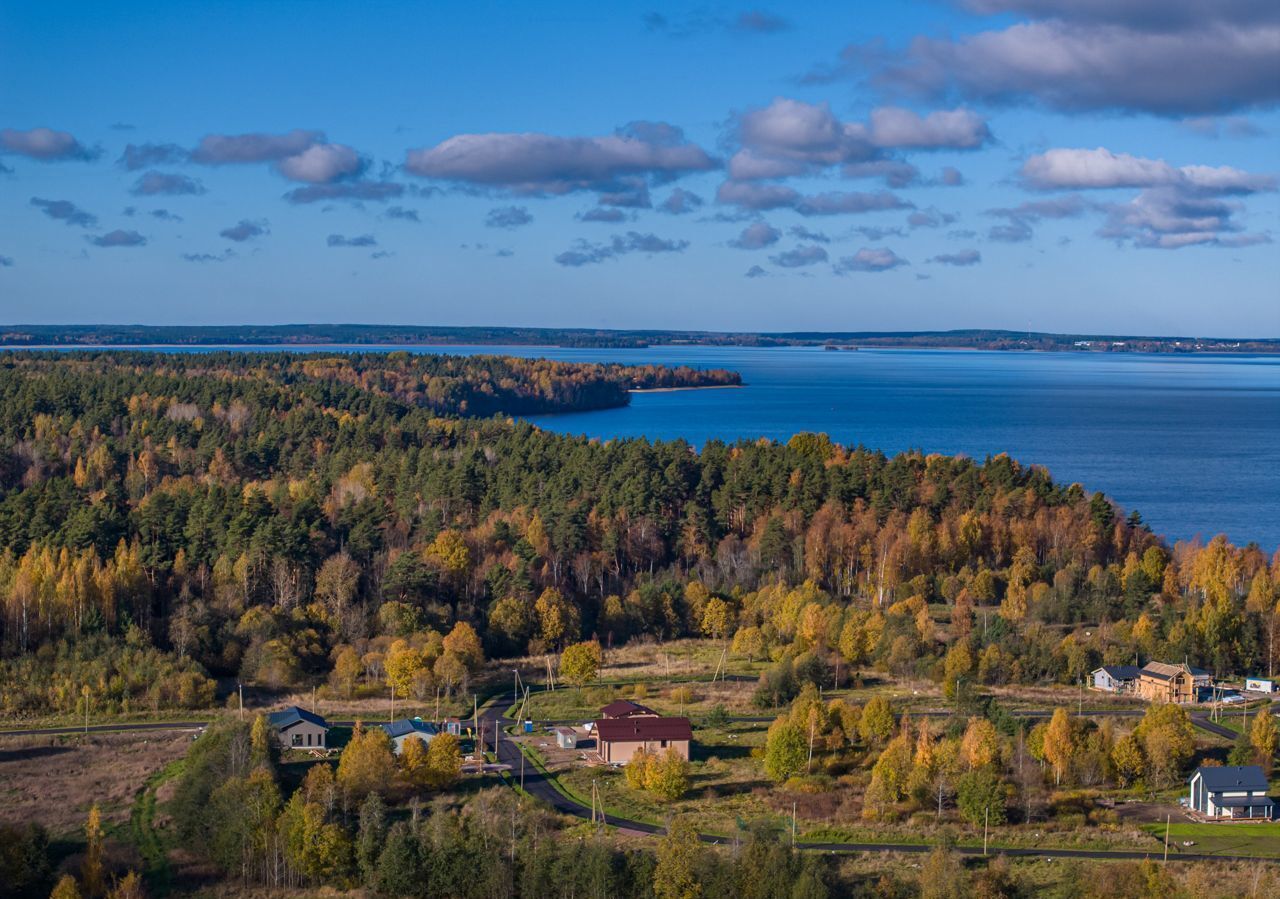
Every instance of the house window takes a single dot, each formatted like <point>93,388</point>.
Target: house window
<point>664,744</point>
<point>297,739</point>
<point>308,739</point>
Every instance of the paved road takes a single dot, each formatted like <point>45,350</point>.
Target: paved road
<point>537,785</point>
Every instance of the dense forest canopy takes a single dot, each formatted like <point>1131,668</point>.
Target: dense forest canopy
<point>294,517</point>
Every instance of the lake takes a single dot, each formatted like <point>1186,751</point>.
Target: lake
<point>1191,442</point>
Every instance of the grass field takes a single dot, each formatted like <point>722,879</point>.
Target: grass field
<point>1256,840</point>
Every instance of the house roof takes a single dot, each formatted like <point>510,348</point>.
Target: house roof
<point>1163,670</point>
<point>287,718</point>
<point>1120,672</point>
<point>1232,777</point>
<point>643,730</point>
<point>621,708</point>
<point>406,726</point>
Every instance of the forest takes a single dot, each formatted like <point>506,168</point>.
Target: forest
<point>290,519</point>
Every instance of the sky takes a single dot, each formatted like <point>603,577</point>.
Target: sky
<point>1099,166</point>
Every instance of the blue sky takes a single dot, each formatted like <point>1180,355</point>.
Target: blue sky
<point>1068,165</point>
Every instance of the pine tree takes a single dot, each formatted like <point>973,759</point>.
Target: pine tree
<point>372,836</point>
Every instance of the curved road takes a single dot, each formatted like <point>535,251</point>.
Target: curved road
<point>537,785</point>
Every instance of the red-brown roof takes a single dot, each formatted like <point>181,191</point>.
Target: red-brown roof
<point>621,708</point>
<point>643,730</point>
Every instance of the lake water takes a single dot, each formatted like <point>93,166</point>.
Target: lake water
<point>1191,442</point>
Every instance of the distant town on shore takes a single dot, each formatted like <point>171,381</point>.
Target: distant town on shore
<point>375,335</point>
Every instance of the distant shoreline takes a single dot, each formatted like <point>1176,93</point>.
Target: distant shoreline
<point>691,387</point>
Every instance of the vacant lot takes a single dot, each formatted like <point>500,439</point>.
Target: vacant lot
<point>54,780</point>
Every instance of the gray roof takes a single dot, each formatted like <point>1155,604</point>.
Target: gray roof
<point>287,718</point>
<point>406,726</point>
<point>1121,672</point>
<point>1232,777</point>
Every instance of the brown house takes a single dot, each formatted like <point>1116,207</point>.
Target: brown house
<point>625,708</point>
<point>1161,682</point>
<point>618,739</point>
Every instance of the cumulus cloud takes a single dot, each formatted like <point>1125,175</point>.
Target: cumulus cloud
<point>800,257</point>
<point>1079,169</point>
<point>1168,219</point>
<point>1167,57</point>
<point>751,22</point>
<point>1020,219</point>
<point>353,191</point>
<point>803,233</point>
<point>153,183</point>
<point>142,156</point>
<point>299,155</point>
<point>65,211</point>
<point>6,261</point>
<point>508,217</point>
<point>321,164</point>
<point>869,259</point>
<point>930,218</point>
<point>363,240</point>
<point>532,163</point>
<point>755,272</point>
<point>118,238</point>
<point>586,253</point>
<point>245,230</point>
<point>791,137</point>
<point>209,257</point>
<point>762,197</point>
<point>756,236</point>
<point>240,149</point>
<point>951,176</point>
<point>400,212</point>
<point>875,234</point>
<point>44,145</point>
<point>165,215</point>
<point>606,216</point>
<point>1178,206</point>
<point>962,258</point>
<point>680,201</point>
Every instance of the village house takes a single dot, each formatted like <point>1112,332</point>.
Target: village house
<point>625,708</point>
<point>1231,793</point>
<point>1115,678</point>
<point>566,737</point>
<point>618,739</point>
<point>296,728</point>
<point>401,730</point>
<point>1162,682</point>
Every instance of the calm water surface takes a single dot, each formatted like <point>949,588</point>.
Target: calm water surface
<point>1191,442</point>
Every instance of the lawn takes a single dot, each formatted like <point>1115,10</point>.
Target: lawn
<point>1241,838</point>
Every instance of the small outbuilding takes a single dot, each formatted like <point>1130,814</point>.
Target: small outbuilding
<point>566,738</point>
<point>1231,793</point>
<point>297,728</point>
<point>1115,678</point>
<point>401,730</point>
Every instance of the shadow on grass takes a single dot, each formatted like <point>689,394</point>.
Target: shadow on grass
<point>31,752</point>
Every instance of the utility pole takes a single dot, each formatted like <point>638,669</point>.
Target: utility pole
<point>240,687</point>
<point>1080,709</point>
<point>1166,839</point>
<point>521,770</point>
<point>393,701</point>
<point>986,816</point>
<point>793,825</point>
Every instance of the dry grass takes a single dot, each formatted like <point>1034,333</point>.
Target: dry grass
<point>54,780</point>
